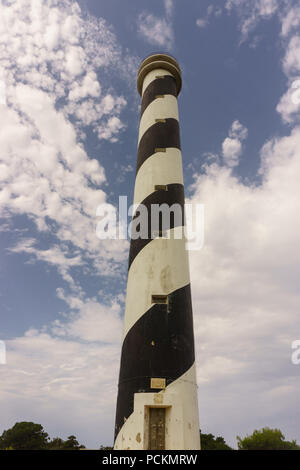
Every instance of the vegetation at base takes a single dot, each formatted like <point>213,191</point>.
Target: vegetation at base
<point>210,442</point>
<point>31,436</point>
<point>266,439</point>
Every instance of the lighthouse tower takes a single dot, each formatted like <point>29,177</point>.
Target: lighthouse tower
<point>157,405</point>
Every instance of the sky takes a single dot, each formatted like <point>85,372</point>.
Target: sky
<point>69,112</point>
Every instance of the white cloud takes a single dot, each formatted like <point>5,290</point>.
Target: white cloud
<point>89,87</point>
<point>108,130</point>
<point>290,21</point>
<point>291,61</point>
<point>211,11</point>
<point>238,131</point>
<point>201,22</point>
<point>246,298</point>
<point>91,320</point>
<point>169,7</point>
<point>289,104</point>
<point>251,13</point>
<point>232,149</point>
<point>51,58</point>
<point>244,280</point>
<point>155,30</point>
<point>232,145</point>
<point>71,383</point>
<point>54,63</point>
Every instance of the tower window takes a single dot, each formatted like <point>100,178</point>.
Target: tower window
<point>159,149</point>
<point>161,187</point>
<point>159,299</point>
<point>159,96</point>
<point>160,120</point>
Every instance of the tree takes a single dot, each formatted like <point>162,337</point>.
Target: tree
<point>210,442</point>
<point>56,444</point>
<point>24,436</point>
<point>266,439</point>
<point>72,444</point>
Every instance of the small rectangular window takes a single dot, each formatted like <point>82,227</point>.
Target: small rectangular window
<point>159,299</point>
<point>159,76</point>
<point>160,120</point>
<point>159,96</point>
<point>161,187</point>
<point>159,149</point>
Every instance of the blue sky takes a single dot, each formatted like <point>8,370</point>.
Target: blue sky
<point>69,111</point>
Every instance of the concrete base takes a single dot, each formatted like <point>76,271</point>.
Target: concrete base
<point>182,425</point>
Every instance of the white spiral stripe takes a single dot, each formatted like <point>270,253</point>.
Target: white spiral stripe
<point>161,267</point>
<point>160,108</point>
<point>152,76</point>
<point>160,168</point>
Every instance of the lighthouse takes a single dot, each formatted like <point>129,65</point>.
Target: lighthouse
<point>157,404</point>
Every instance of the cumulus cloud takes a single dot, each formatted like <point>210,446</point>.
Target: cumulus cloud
<point>290,20</point>
<point>245,290</point>
<point>251,13</point>
<point>108,130</point>
<point>51,58</point>
<point>289,104</point>
<point>232,145</point>
<point>90,320</point>
<point>291,61</point>
<point>245,295</point>
<point>71,382</point>
<point>157,30</point>
<point>55,69</point>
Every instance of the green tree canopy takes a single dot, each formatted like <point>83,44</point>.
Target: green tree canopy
<point>24,436</point>
<point>56,444</point>
<point>72,444</point>
<point>210,442</point>
<point>266,439</point>
<point>31,436</point>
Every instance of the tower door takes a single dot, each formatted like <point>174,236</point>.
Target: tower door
<point>157,426</point>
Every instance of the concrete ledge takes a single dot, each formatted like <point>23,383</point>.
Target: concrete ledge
<point>159,61</point>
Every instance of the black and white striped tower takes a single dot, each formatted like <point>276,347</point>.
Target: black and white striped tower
<point>157,406</point>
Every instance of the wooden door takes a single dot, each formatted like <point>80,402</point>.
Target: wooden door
<point>157,425</point>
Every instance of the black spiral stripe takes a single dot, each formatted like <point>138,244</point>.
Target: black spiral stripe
<point>160,86</point>
<point>160,344</point>
<point>160,135</point>
<point>173,195</point>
